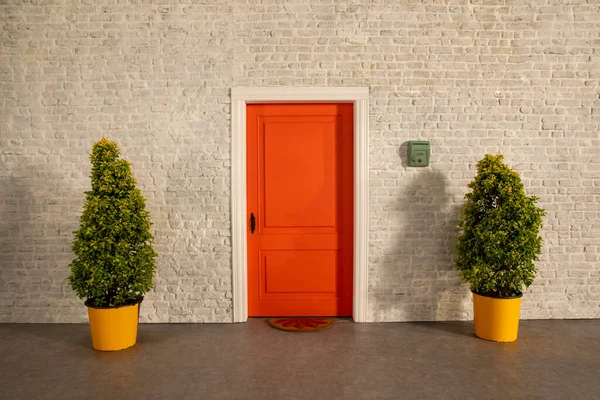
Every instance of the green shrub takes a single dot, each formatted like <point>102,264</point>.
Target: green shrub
<point>499,239</point>
<point>114,261</point>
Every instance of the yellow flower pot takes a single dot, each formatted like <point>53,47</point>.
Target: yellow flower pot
<point>113,328</point>
<point>497,319</point>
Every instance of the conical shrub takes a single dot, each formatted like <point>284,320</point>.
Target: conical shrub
<point>499,239</point>
<point>115,261</point>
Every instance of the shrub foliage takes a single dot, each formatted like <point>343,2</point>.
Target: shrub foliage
<point>499,239</point>
<point>114,262</point>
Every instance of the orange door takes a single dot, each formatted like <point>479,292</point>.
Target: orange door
<point>300,200</point>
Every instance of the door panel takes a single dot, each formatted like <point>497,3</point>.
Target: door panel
<point>300,188</point>
<point>305,271</point>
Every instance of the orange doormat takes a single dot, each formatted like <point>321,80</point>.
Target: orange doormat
<point>301,324</point>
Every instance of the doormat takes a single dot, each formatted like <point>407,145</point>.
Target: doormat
<point>301,324</point>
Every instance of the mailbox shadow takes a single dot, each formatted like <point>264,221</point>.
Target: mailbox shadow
<point>418,278</point>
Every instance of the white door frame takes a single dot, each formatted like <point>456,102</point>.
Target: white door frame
<point>240,97</point>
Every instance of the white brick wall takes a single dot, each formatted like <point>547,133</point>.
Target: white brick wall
<point>520,77</point>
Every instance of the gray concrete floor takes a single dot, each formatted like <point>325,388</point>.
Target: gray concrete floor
<point>551,360</point>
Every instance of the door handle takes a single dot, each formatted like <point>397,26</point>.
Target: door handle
<point>252,223</point>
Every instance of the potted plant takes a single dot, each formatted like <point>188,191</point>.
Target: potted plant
<point>114,261</point>
<point>497,246</point>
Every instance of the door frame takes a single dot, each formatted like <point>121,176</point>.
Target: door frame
<point>240,97</point>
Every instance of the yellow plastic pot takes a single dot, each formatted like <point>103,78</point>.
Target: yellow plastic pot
<point>113,328</point>
<point>497,319</point>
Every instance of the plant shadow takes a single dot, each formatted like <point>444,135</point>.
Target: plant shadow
<point>421,281</point>
<point>74,336</point>
<point>461,328</point>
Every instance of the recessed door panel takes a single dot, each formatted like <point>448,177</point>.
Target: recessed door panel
<point>289,272</point>
<point>301,170</point>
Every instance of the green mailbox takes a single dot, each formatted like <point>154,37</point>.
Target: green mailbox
<point>418,153</point>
